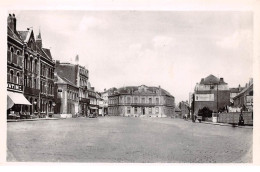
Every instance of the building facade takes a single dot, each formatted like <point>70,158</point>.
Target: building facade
<point>245,97</point>
<point>78,76</point>
<point>140,101</point>
<point>211,92</point>
<point>184,108</point>
<point>66,97</point>
<point>16,102</point>
<point>47,67</point>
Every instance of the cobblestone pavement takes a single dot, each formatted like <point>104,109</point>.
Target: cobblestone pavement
<point>126,139</point>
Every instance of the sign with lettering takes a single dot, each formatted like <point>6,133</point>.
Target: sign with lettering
<point>204,97</point>
<point>14,86</point>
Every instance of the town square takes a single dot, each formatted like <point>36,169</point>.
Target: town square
<point>130,86</point>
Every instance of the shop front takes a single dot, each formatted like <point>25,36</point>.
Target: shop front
<point>16,103</point>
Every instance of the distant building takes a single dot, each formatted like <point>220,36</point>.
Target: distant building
<point>234,92</point>
<point>244,98</point>
<point>184,108</point>
<point>77,75</point>
<point>140,101</point>
<point>66,97</point>
<point>211,92</point>
<point>104,96</point>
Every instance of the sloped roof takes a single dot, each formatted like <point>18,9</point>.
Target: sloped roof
<point>63,80</point>
<point>47,52</point>
<point>125,89</point>
<point>15,36</point>
<point>23,34</point>
<point>211,79</point>
<point>244,90</point>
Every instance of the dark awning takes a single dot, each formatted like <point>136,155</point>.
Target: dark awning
<point>16,98</point>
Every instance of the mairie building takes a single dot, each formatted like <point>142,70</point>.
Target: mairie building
<point>140,101</point>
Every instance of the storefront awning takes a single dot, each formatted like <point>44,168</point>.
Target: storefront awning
<point>16,98</point>
<point>93,107</point>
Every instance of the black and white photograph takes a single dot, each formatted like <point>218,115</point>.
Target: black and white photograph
<point>129,86</point>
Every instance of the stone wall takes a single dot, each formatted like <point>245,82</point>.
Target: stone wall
<point>233,117</point>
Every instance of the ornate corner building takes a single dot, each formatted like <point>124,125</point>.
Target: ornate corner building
<point>140,101</point>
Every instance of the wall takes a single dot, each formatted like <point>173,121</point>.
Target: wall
<point>233,117</point>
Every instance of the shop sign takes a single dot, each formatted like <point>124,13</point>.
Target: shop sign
<point>14,86</point>
<point>204,97</point>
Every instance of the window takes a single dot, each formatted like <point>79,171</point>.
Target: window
<point>136,100</point>
<point>157,110</point>
<point>12,75</point>
<point>143,100</point>
<point>128,100</point>
<point>135,110</point>
<point>25,61</point>
<point>18,78</point>
<point>35,83</point>
<point>157,100</point>
<point>150,100</point>
<point>128,110</point>
<point>25,81</point>
<point>35,66</point>
<point>11,55</point>
<point>150,110</point>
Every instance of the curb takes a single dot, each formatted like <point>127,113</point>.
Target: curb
<point>230,125</point>
<point>37,119</point>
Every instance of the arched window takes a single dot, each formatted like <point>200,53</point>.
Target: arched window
<point>18,52</point>
<point>11,75</point>
<point>150,100</point>
<point>31,63</point>
<point>25,81</point>
<point>25,61</point>
<point>35,66</point>
<point>18,78</point>
<point>11,54</point>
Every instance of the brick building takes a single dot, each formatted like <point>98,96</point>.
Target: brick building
<point>140,101</point>
<point>16,102</point>
<point>211,92</point>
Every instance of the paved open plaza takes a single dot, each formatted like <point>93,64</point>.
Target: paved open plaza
<point>127,139</point>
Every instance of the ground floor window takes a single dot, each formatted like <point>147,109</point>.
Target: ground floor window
<point>135,110</point>
<point>128,110</point>
<point>157,110</point>
<point>150,110</point>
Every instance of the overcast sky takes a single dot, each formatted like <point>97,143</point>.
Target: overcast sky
<point>127,48</point>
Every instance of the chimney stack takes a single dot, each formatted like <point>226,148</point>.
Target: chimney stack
<point>11,21</point>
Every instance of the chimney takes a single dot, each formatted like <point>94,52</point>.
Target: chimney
<point>221,80</point>
<point>77,59</point>
<point>11,21</point>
